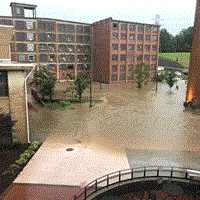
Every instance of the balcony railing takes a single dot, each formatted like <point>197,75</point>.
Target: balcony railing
<point>136,174</point>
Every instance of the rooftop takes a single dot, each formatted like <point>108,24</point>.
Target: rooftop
<point>26,6</point>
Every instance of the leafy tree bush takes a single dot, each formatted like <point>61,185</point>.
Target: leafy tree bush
<point>140,73</point>
<point>81,83</point>
<point>161,76</point>
<point>46,81</point>
<point>170,78</point>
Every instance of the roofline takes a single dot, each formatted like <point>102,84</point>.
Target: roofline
<point>24,5</point>
<point>38,18</point>
<point>135,22</point>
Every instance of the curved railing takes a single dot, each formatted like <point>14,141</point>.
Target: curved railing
<point>134,174</point>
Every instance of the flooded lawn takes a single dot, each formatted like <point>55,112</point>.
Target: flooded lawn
<point>152,127</point>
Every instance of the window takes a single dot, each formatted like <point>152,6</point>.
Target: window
<point>132,36</point>
<point>114,57</point>
<point>114,77</point>
<point>70,28</point>
<point>115,26</point>
<point>31,58</point>
<point>140,28</point>
<point>29,25</point>
<point>123,47</point>
<point>42,37</point>
<point>115,35</point>
<point>123,36</point>
<point>51,37</point>
<point>21,47</point>
<point>87,39</point>
<point>122,68</point>
<point>80,29</point>
<point>139,58</point>
<point>154,47</point>
<point>87,29</point>
<point>124,27</point>
<point>70,38</point>
<point>147,57</point>
<point>20,36</point>
<point>147,47</point>
<point>147,37</point>
<point>18,11</point>
<point>155,37</point>
<point>114,68</point>
<point>140,47</point>
<point>153,58</point>
<point>148,28</point>
<point>122,76</point>
<point>123,57</point>
<point>52,58</point>
<point>132,27</point>
<point>155,29</point>
<point>115,46</point>
<point>131,58</point>
<point>61,27</point>
<point>30,47</point>
<point>130,67</point>
<point>3,83</point>
<point>22,58</point>
<point>131,47</point>
<point>29,36</point>
<point>140,37</point>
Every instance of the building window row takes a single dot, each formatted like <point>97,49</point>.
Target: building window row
<point>132,47</point>
<point>131,58</point>
<point>132,27</point>
<point>48,26</point>
<point>123,36</point>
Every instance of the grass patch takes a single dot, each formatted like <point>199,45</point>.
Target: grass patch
<point>182,58</point>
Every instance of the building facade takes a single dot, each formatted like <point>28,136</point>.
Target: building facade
<point>108,48</point>
<point>119,45</point>
<point>13,94</point>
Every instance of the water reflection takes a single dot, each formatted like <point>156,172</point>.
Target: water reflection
<point>143,120</point>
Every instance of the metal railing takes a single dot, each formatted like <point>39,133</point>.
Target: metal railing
<point>136,174</point>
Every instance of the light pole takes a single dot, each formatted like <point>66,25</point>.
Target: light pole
<point>90,89</point>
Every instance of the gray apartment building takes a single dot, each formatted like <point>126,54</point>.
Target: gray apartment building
<point>68,48</point>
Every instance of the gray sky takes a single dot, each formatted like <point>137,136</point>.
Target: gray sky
<point>175,15</point>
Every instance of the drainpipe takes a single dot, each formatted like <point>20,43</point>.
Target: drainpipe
<point>26,99</point>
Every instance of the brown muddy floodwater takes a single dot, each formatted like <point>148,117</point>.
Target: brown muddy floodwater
<point>149,125</point>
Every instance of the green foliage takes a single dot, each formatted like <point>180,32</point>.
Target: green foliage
<point>45,81</point>
<point>141,74</point>
<point>81,83</point>
<point>170,78</point>
<point>25,155</point>
<point>21,161</point>
<point>179,43</point>
<point>161,77</point>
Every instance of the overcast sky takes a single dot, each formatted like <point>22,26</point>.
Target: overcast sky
<point>175,15</point>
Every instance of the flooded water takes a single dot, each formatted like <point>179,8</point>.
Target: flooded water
<point>150,125</point>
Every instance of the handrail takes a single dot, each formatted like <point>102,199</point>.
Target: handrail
<point>121,176</point>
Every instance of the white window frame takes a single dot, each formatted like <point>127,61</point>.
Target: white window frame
<point>22,57</point>
<point>30,47</point>
<point>30,36</point>
<point>29,25</point>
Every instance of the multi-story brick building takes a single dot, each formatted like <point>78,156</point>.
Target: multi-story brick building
<point>108,48</point>
<point>119,45</point>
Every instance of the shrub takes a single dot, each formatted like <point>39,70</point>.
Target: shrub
<point>26,155</point>
<point>21,161</point>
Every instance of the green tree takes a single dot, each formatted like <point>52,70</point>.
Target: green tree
<point>45,81</point>
<point>165,41</point>
<point>81,83</point>
<point>170,78</point>
<point>140,73</point>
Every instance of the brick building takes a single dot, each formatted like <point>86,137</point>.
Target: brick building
<point>68,48</point>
